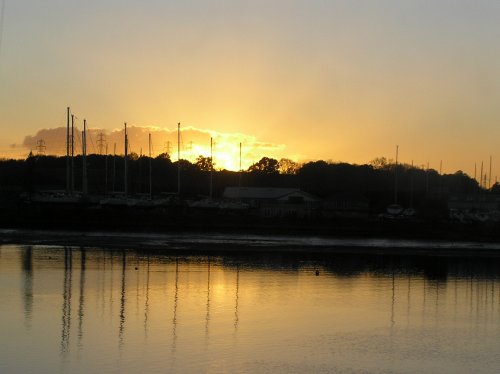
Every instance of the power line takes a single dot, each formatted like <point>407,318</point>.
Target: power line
<point>167,148</point>
<point>91,140</point>
<point>152,148</point>
<point>40,147</point>
<point>101,142</point>
<point>78,139</point>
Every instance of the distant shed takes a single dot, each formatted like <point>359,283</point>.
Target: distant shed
<point>262,194</point>
<point>276,202</point>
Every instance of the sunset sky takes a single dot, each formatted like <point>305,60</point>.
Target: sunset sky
<point>333,80</point>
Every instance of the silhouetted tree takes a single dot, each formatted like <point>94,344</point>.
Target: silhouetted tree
<point>163,156</point>
<point>265,165</point>
<point>495,188</point>
<point>204,163</point>
<point>421,188</point>
<point>287,166</point>
<point>380,162</point>
<point>133,156</point>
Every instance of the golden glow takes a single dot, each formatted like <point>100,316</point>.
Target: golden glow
<point>225,154</point>
<point>340,81</point>
<point>226,160</point>
<point>195,142</point>
<point>225,148</point>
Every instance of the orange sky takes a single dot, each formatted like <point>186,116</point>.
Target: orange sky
<point>194,142</point>
<point>340,80</point>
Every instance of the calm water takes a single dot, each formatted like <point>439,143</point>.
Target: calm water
<point>97,310</point>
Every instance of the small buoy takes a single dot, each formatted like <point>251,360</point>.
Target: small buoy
<point>317,272</point>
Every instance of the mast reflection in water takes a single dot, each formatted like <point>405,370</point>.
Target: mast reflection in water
<point>67,309</point>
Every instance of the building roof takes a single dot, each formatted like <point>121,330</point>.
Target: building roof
<point>258,193</point>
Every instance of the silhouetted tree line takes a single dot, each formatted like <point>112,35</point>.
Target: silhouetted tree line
<point>376,181</point>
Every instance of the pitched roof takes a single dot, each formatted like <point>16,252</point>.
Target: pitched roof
<point>257,192</point>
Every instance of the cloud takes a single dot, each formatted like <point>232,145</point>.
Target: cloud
<point>194,142</point>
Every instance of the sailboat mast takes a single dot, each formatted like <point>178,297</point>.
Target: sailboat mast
<point>150,176</point>
<point>427,180</point>
<point>411,185</point>
<point>72,153</point>
<point>106,171</point>
<point>67,151</point>
<point>440,178</point>
<point>125,187</point>
<point>489,177</point>
<point>179,158</point>
<point>211,165</point>
<point>481,177</point>
<point>114,167</point>
<point>240,172</point>
<point>396,177</point>
<point>84,158</point>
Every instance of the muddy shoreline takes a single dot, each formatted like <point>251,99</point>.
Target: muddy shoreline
<point>203,242</point>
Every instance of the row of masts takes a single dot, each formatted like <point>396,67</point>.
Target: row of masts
<point>484,177</point>
<point>70,175</point>
<point>70,153</point>
<point>150,166</point>
<point>482,182</point>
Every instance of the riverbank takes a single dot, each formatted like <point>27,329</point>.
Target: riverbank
<point>29,223</point>
<point>202,242</point>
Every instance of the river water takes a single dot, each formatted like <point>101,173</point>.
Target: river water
<point>69,309</point>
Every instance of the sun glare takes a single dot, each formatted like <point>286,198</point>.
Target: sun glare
<point>223,156</point>
<point>228,161</point>
<point>194,142</point>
